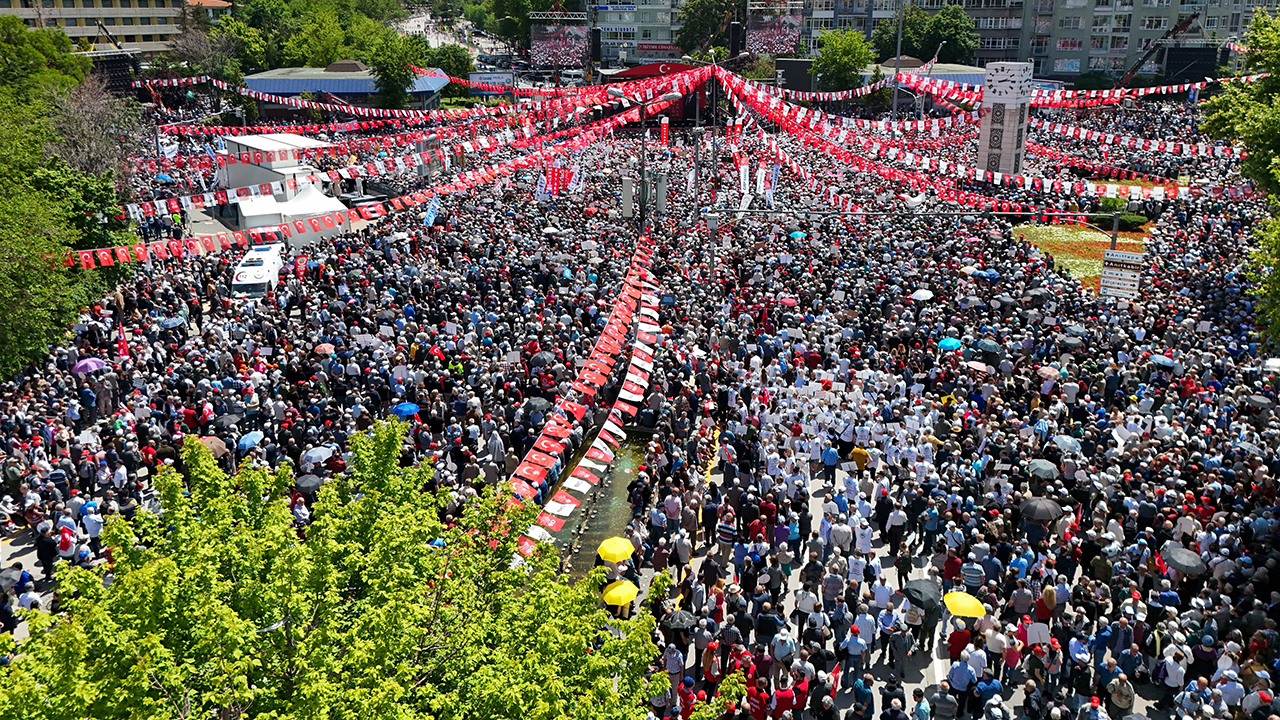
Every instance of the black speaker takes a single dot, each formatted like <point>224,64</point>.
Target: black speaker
<point>595,44</point>
<point>735,39</point>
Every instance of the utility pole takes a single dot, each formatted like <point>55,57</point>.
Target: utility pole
<point>1115,228</point>
<point>897,61</point>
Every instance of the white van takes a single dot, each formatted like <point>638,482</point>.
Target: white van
<point>258,271</point>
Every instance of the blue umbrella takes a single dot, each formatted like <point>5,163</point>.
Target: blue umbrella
<point>248,440</point>
<point>405,409</point>
<point>170,323</point>
<point>163,177</point>
<point>798,234</point>
<point>949,344</point>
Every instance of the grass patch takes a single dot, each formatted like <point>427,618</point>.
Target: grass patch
<point>1080,249</point>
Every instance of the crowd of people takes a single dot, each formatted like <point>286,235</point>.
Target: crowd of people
<point>892,409</point>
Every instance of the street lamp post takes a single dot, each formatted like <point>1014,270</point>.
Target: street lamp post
<point>644,151</point>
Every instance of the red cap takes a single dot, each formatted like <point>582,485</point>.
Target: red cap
<point>1056,645</point>
<point>1136,595</point>
<point>1093,701</point>
<point>1264,697</point>
<point>855,630</point>
<point>1026,619</point>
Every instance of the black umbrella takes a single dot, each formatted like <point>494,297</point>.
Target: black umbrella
<point>1261,401</point>
<point>1183,560</point>
<point>224,422</point>
<point>987,345</point>
<point>679,620</point>
<point>386,316</point>
<point>537,404</point>
<point>924,594</point>
<point>1039,508</point>
<point>1077,331</point>
<point>309,483</point>
<point>1072,342</point>
<point>1043,469</point>
<point>542,359</point>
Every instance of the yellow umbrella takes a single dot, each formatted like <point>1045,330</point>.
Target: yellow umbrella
<point>962,604</point>
<point>620,592</point>
<point>616,549</point>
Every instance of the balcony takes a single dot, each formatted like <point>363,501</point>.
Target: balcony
<point>1044,6</point>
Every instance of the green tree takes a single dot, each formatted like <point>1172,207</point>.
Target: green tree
<point>384,610</point>
<point>390,66</point>
<point>1094,80</point>
<point>478,15</point>
<point>39,297</point>
<point>880,99</point>
<point>32,60</point>
<point>915,23</point>
<point>842,56</point>
<point>1250,112</point>
<point>455,61</point>
<point>706,22</point>
<point>952,26</point>
<point>318,43</point>
<point>248,43</point>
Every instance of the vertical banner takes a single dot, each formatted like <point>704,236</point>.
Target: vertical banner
<point>665,132</point>
<point>760,179</point>
<point>744,178</point>
<point>300,265</point>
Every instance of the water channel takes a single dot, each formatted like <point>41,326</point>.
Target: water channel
<point>605,512</point>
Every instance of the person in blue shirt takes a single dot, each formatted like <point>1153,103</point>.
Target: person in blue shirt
<point>961,675</point>
<point>855,650</point>
<point>1168,598</point>
<point>830,461</point>
<point>986,688</point>
<point>930,525</point>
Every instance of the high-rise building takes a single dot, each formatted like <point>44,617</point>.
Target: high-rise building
<point>136,24</point>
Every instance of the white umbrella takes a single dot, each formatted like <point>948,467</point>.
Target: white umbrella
<point>317,454</point>
<point>921,295</point>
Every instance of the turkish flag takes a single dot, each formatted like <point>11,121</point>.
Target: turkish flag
<point>86,259</point>
<point>123,254</point>
<point>104,257</point>
<point>140,252</point>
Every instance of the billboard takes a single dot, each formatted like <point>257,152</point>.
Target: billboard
<point>503,79</point>
<point>560,46</point>
<point>773,34</point>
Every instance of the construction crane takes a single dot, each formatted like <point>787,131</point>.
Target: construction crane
<point>1172,32</point>
<point>102,30</point>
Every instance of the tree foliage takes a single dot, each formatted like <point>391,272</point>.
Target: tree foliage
<point>32,61</point>
<point>390,66</point>
<point>1250,112</point>
<point>39,297</point>
<point>954,27</point>
<point>706,22</point>
<point>884,37</point>
<point>842,56</point>
<point>922,35</point>
<point>220,610</point>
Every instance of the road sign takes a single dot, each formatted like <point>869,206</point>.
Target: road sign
<point>1121,256</point>
<point>1118,292</point>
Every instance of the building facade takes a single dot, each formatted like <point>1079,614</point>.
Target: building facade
<point>144,25</point>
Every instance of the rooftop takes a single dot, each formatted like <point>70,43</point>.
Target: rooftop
<point>344,77</point>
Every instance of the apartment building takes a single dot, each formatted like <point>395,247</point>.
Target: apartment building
<point>642,32</point>
<point>143,25</point>
<point>1069,37</point>
<point>999,22</point>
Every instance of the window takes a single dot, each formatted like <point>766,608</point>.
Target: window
<point>146,38</point>
<point>1123,21</point>
<point>1101,23</point>
<point>1071,22</point>
<point>126,21</point>
<point>821,5</point>
<point>143,3</point>
<point>162,21</point>
<point>1066,65</point>
<point>1040,45</point>
<point>998,23</point>
<point>646,34</point>
<point>1069,44</point>
<point>1155,3</point>
<point>1097,63</point>
<point>1097,42</point>
<point>126,3</point>
<point>6,3</point>
<point>1119,43</point>
<point>1152,22</point>
<point>68,3</point>
<point>108,3</point>
<point>1042,24</point>
<point>86,3</point>
<point>1211,22</point>
<point>108,20</point>
<point>999,43</point>
<point>1073,4</point>
<point>130,38</point>
<point>144,21</point>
